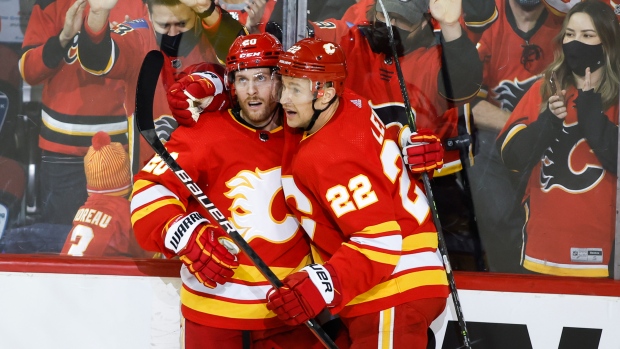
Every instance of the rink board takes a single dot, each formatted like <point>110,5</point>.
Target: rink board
<point>49,302</point>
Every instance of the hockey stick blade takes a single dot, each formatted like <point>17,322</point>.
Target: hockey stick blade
<point>145,94</point>
<point>443,249</point>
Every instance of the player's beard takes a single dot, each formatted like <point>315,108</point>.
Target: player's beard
<point>257,116</point>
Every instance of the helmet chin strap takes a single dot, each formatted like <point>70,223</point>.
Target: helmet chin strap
<point>318,112</point>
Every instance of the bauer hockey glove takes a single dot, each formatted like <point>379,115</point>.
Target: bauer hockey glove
<point>305,294</point>
<point>195,93</point>
<point>206,250</point>
<point>422,150</point>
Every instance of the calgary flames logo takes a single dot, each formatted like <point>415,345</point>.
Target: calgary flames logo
<point>565,164</point>
<point>254,195</point>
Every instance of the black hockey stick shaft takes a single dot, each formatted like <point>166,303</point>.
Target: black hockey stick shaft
<point>443,249</point>
<point>145,94</point>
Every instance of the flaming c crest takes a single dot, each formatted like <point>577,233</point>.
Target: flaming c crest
<point>253,194</point>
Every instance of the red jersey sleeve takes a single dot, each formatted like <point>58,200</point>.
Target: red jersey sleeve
<point>46,22</point>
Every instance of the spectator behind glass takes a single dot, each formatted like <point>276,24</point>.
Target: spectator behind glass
<point>514,50</point>
<point>188,32</point>
<point>102,226</point>
<point>565,132</point>
<point>254,15</point>
<point>75,104</point>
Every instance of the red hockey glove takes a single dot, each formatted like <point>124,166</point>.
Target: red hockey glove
<point>195,93</point>
<point>305,294</point>
<point>422,150</point>
<point>206,250</point>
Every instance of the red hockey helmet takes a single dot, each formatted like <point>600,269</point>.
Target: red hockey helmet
<point>317,60</point>
<point>252,51</point>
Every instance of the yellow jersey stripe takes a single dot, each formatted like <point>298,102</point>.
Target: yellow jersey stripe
<point>139,214</point>
<point>419,241</point>
<point>381,228</point>
<point>401,284</point>
<point>225,308</point>
<point>249,273</point>
<point>559,271</point>
<point>379,257</point>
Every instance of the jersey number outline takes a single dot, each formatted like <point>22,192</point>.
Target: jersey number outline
<point>361,190</point>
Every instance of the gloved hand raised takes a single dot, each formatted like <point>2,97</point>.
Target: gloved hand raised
<point>422,150</point>
<point>206,250</point>
<point>195,93</point>
<point>305,294</point>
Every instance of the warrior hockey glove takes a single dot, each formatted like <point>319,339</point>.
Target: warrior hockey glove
<point>422,150</point>
<point>194,94</point>
<point>305,294</point>
<point>206,250</point>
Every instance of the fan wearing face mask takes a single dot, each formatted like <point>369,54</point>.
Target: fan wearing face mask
<point>514,50</point>
<point>188,32</point>
<point>565,132</point>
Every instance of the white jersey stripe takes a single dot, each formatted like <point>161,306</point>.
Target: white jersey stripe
<point>150,195</point>
<point>390,242</point>
<point>417,260</point>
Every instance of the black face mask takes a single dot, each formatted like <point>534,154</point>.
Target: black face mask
<point>178,45</point>
<point>580,56</point>
<point>528,4</point>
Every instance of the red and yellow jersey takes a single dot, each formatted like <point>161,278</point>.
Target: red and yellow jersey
<point>513,59</point>
<point>102,228</point>
<point>76,104</point>
<point>570,197</point>
<point>238,168</point>
<point>366,216</point>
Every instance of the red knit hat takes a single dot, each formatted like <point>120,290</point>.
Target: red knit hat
<point>107,167</point>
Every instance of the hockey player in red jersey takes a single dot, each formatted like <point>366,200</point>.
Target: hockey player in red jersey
<point>187,32</point>
<point>234,155</point>
<point>75,104</point>
<point>564,134</point>
<point>102,226</point>
<point>374,243</point>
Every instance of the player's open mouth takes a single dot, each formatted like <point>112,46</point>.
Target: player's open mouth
<point>290,113</point>
<point>254,104</point>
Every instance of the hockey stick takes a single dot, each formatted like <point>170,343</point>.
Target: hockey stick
<point>145,95</point>
<point>443,249</point>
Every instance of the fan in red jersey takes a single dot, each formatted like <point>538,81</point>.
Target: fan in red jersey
<point>75,104</point>
<point>515,50</point>
<point>188,32</point>
<point>102,226</point>
<point>234,156</point>
<point>375,260</point>
<point>564,136</point>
